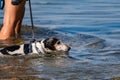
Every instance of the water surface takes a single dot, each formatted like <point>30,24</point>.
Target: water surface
<point>90,27</point>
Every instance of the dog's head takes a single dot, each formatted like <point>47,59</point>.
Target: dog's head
<point>54,45</point>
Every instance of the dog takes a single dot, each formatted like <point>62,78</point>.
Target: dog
<point>45,46</point>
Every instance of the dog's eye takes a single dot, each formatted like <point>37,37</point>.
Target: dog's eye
<point>58,42</point>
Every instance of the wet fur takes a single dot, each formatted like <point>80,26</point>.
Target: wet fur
<point>44,46</point>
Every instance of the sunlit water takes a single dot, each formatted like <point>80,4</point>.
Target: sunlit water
<point>90,27</point>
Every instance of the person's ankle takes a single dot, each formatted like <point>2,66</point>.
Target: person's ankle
<point>5,37</point>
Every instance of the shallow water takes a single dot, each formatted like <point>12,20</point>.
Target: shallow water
<point>90,27</point>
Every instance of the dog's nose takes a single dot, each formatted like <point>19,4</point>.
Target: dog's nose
<point>69,48</point>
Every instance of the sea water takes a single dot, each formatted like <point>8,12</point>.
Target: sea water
<point>90,27</point>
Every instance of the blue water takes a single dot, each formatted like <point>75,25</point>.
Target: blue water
<point>90,27</point>
<point>99,17</point>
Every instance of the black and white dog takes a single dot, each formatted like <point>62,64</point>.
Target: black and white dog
<point>45,46</point>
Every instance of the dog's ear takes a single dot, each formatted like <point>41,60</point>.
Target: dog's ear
<point>50,42</point>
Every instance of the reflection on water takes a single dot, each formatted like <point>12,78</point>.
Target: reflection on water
<point>90,27</point>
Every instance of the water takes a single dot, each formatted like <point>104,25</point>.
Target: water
<point>90,27</point>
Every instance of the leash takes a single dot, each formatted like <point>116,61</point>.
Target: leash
<point>33,35</point>
<point>32,28</point>
<point>31,17</point>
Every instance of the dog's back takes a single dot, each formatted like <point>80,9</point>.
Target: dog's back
<point>12,50</point>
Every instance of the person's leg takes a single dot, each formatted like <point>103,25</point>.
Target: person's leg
<point>19,20</point>
<point>12,17</point>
